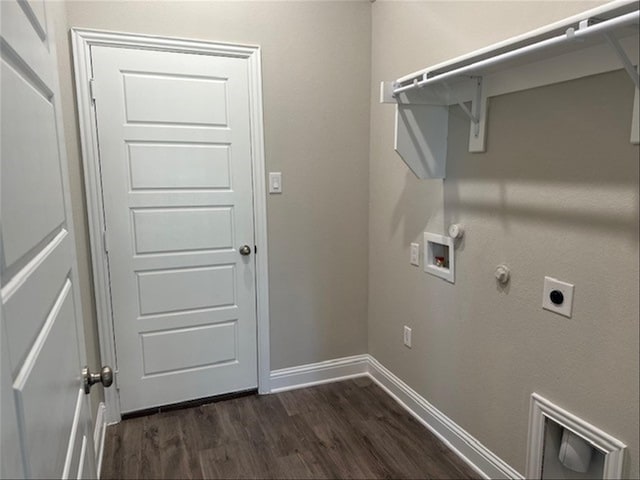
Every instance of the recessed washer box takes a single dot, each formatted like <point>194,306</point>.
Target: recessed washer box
<point>439,256</point>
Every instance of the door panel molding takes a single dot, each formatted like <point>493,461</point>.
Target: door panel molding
<point>83,41</point>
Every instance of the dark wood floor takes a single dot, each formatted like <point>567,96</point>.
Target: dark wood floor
<point>350,429</point>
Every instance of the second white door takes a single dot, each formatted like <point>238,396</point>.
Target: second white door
<point>175,154</point>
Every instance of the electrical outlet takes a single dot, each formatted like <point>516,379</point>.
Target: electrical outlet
<point>407,337</point>
<point>557,296</point>
<point>415,254</point>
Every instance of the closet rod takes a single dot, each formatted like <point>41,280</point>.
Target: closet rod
<point>571,35</point>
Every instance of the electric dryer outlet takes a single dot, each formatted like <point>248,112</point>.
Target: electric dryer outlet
<point>557,296</point>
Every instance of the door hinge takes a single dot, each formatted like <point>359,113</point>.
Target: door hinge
<point>104,241</point>
<point>92,91</point>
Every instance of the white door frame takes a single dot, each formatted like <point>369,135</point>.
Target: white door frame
<point>83,40</point>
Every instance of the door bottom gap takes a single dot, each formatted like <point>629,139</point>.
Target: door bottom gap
<point>188,404</point>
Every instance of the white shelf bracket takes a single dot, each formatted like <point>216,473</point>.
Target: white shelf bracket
<point>628,65</point>
<point>474,120</point>
<point>478,116</point>
<point>635,78</point>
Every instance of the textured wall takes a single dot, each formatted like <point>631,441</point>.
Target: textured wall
<point>556,194</point>
<point>316,134</point>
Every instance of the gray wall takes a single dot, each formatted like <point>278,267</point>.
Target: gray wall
<point>556,194</point>
<point>316,134</point>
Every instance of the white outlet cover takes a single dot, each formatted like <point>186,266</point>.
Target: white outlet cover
<point>415,254</point>
<point>566,307</point>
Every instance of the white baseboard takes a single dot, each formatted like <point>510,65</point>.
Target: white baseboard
<point>317,373</point>
<point>99,432</point>
<point>470,450</point>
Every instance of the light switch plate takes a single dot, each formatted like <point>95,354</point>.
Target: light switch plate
<point>564,308</point>
<point>406,337</point>
<point>275,182</point>
<point>415,254</point>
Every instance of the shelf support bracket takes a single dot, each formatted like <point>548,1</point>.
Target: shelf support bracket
<point>472,117</point>
<point>628,66</point>
<point>478,116</point>
<point>635,78</point>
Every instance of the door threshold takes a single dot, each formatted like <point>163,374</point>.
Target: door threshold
<point>189,404</point>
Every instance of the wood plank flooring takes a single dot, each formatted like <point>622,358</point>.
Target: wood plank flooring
<point>349,429</point>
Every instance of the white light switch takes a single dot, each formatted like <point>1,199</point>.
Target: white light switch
<point>406,338</point>
<point>275,182</point>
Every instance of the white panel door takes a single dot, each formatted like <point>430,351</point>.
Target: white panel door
<point>175,159</point>
<point>46,429</point>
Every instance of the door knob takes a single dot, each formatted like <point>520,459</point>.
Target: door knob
<point>245,250</point>
<point>88,379</point>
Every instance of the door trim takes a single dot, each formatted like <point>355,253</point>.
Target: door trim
<point>83,40</point>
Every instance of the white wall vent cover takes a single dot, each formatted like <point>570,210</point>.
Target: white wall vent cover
<point>542,409</point>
